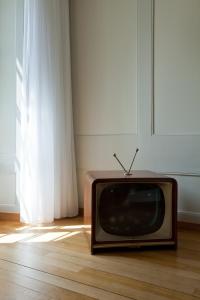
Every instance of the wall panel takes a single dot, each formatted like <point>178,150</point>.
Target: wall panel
<point>104,66</point>
<point>177,67</point>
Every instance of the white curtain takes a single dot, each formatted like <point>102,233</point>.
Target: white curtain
<point>48,187</point>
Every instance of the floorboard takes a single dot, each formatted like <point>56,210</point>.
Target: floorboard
<point>53,262</point>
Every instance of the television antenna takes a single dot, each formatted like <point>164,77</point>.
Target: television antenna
<point>127,173</point>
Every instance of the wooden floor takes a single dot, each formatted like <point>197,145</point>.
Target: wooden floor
<point>53,262</point>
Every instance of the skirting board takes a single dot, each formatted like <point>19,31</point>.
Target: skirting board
<point>7,216</point>
<point>189,217</point>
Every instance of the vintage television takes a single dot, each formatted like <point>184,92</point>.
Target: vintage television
<point>139,210</point>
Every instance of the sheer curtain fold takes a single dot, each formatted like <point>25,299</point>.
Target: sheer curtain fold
<point>48,187</point>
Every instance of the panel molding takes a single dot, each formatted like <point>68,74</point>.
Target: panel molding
<point>105,80</point>
<point>146,68</point>
<point>153,130</point>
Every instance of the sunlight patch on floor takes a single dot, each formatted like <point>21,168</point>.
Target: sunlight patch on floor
<point>46,237</point>
<point>68,235</point>
<point>43,227</point>
<point>14,237</point>
<point>42,233</point>
<point>39,234</point>
<point>40,227</point>
<point>30,237</point>
<point>75,227</point>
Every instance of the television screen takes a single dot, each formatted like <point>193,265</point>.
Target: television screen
<point>131,209</point>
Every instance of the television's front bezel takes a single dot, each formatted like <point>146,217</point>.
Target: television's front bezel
<point>172,242</point>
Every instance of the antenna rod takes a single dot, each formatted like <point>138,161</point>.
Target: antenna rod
<point>133,160</point>
<point>115,156</point>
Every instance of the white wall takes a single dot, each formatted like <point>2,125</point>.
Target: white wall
<point>177,96</point>
<point>118,103</point>
<point>7,105</point>
<point>136,83</point>
<point>104,76</point>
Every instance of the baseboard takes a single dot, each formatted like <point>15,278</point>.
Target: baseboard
<point>8,216</point>
<point>189,217</point>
